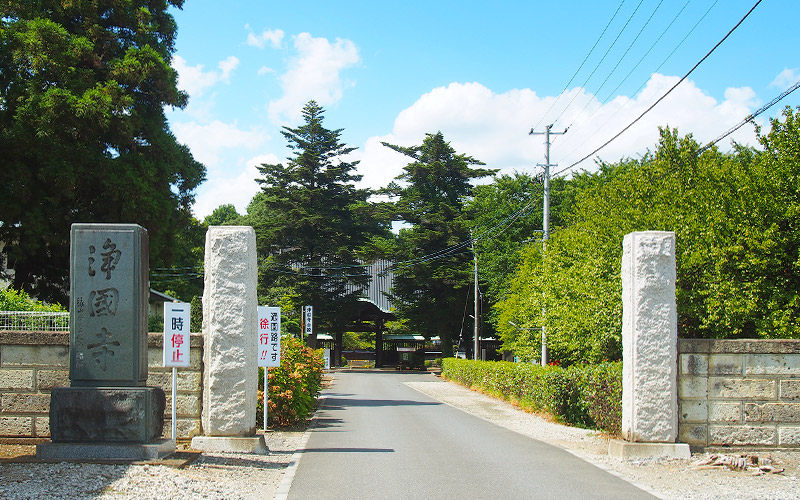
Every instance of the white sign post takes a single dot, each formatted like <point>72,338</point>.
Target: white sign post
<point>308,315</point>
<point>269,345</point>
<point>177,318</point>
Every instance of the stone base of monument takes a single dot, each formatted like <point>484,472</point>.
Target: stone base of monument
<point>627,450</point>
<point>89,452</point>
<point>106,423</point>
<point>231,444</point>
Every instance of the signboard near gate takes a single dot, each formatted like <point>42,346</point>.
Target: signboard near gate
<point>308,320</point>
<point>269,336</point>
<point>176,333</point>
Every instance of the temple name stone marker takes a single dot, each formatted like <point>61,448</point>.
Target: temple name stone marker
<point>230,340</point>
<point>107,413</point>
<point>649,348</point>
<point>108,305</point>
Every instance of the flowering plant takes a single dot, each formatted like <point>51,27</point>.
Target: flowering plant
<point>293,386</point>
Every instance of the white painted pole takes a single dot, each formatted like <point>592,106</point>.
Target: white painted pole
<point>174,403</point>
<point>266,395</point>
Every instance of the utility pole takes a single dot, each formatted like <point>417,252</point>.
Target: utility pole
<point>476,339</point>
<point>546,213</point>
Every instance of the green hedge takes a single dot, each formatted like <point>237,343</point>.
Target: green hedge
<point>581,395</point>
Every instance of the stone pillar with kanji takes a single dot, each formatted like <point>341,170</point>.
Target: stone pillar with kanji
<point>107,412</point>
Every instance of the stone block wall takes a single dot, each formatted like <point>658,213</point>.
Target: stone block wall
<point>32,363</point>
<point>741,393</point>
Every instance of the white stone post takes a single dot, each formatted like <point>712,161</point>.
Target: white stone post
<point>230,371</point>
<point>649,348</point>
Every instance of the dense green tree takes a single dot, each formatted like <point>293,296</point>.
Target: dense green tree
<point>311,223</point>
<point>434,264</point>
<point>223,215</point>
<point>185,276</point>
<point>506,215</point>
<point>738,247</point>
<point>84,138</point>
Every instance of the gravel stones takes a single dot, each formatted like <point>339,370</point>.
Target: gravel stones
<point>213,476</point>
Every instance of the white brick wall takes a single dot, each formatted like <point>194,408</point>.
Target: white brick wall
<point>743,393</point>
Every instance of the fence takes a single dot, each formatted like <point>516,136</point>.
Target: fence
<point>40,321</point>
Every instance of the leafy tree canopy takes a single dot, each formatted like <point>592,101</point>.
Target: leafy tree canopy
<point>83,87</point>
<point>312,223</point>
<point>738,247</point>
<point>433,260</point>
<point>505,215</point>
<point>223,215</point>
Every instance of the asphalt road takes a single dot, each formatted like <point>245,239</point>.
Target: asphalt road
<point>376,438</point>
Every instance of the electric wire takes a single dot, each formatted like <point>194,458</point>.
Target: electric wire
<point>575,94</point>
<point>647,52</point>
<point>507,221</point>
<point>591,51</point>
<point>619,61</point>
<point>528,207</point>
<point>644,83</point>
<point>750,117</point>
<point>668,92</point>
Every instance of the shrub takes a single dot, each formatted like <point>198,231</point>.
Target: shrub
<point>155,323</point>
<point>18,300</point>
<point>603,396</point>
<point>293,386</point>
<point>581,395</point>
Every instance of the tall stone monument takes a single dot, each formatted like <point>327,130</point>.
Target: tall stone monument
<point>107,412</point>
<point>230,343</point>
<point>649,348</point>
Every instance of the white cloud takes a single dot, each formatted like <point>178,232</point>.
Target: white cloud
<point>238,188</point>
<point>209,141</point>
<point>314,73</point>
<point>227,66</point>
<point>786,78</point>
<point>263,70</point>
<point>494,127</point>
<point>195,81</point>
<point>379,164</point>
<point>273,38</point>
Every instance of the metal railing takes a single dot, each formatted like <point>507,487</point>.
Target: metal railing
<point>41,321</point>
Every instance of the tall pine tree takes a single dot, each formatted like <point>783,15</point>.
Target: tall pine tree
<point>314,223</point>
<point>433,259</point>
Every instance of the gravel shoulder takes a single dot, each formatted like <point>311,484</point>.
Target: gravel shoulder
<point>210,476</point>
<point>668,479</point>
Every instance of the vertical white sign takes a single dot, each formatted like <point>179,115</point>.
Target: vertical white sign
<point>269,336</point>
<point>308,312</point>
<point>176,333</point>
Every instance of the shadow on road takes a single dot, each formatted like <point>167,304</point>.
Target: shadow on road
<point>341,403</point>
<point>324,422</point>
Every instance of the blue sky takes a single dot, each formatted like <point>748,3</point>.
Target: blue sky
<point>484,73</point>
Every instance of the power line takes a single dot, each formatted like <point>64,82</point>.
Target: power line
<point>658,68</point>
<point>619,61</point>
<point>601,60</point>
<point>552,105</point>
<point>665,94</point>
<point>750,117</point>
